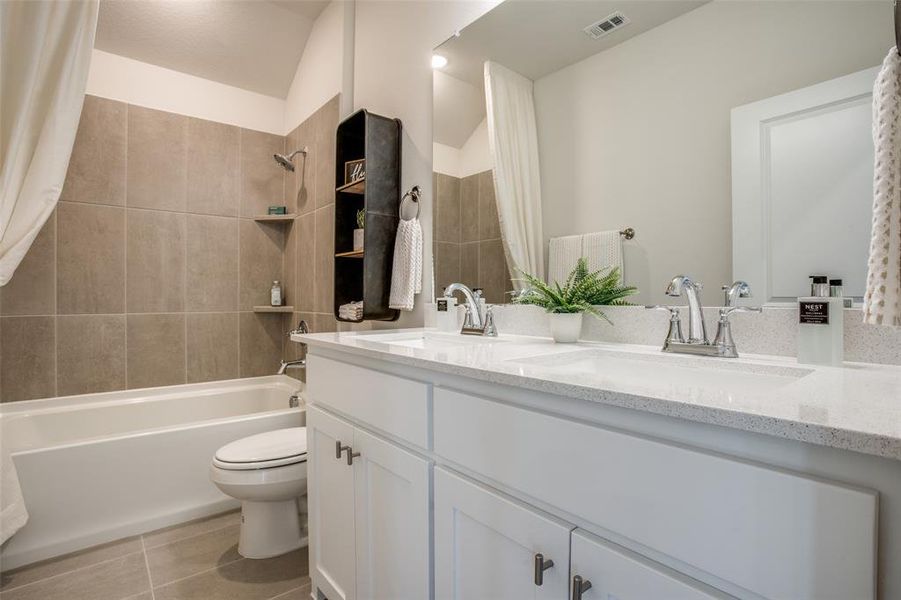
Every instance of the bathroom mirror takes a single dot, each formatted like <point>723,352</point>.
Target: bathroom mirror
<point>733,138</point>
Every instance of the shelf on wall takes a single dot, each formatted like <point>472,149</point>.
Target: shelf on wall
<point>273,309</point>
<point>353,254</point>
<point>275,218</point>
<point>354,187</point>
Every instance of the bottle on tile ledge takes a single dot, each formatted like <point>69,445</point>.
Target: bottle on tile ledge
<point>821,325</point>
<point>275,294</point>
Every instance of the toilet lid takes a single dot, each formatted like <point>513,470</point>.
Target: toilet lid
<point>282,446</point>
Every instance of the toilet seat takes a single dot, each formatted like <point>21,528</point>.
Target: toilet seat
<point>267,450</point>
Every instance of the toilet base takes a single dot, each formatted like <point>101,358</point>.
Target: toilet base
<point>269,529</point>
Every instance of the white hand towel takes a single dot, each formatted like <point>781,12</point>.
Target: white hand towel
<point>882,300</point>
<point>603,249</point>
<point>12,505</point>
<point>406,274</point>
<point>563,254</point>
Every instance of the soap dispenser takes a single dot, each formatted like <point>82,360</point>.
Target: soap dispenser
<point>820,325</point>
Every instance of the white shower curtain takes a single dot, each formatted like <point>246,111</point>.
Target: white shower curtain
<point>513,139</point>
<point>45,54</point>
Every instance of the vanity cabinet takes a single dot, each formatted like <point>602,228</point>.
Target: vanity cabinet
<point>486,545</point>
<point>369,514</point>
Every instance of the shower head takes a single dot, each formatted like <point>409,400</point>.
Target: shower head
<point>287,162</point>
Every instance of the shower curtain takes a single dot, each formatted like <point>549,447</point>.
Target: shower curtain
<point>45,54</point>
<point>513,140</point>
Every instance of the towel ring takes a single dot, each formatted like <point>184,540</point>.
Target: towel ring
<point>413,196</point>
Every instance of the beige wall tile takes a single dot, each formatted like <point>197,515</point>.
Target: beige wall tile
<point>244,579</point>
<point>156,159</point>
<point>325,122</point>
<point>469,264</point>
<point>492,271</point>
<point>289,284</point>
<point>192,555</point>
<point>90,353</point>
<point>32,289</point>
<point>212,346</point>
<point>261,251</point>
<point>447,220</point>
<point>211,282</point>
<point>261,343</point>
<point>155,261</point>
<point>305,230</point>
<point>97,166</point>
<point>489,225</point>
<point>70,562</point>
<point>156,350</point>
<point>469,209</point>
<point>447,264</point>
<point>262,180</point>
<point>212,168</point>
<point>324,278</point>
<point>28,368</point>
<point>111,580</point>
<point>90,258</point>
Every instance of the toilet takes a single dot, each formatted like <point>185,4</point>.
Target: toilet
<point>267,472</point>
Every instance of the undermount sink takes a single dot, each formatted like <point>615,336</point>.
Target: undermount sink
<point>666,372</point>
<point>428,339</point>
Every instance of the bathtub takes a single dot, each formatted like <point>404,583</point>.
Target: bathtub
<point>100,467</point>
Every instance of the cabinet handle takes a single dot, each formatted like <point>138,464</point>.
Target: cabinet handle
<point>351,455</point>
<point>580,586</point>
<point>339,448</point>
<point>541,566</point>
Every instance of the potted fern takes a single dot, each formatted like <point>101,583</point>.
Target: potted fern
<point>582,292</point>
<point>358,232</point>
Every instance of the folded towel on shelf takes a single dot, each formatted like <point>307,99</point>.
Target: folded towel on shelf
<point>603,249</point>
<point>352,311</point>
<point>406,273</point>
<point>12,505</point>
<point>563,254</point>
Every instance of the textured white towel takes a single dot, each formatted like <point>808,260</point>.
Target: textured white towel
<point>563,254</point>
<point>882,300</point>
<point>12,505</point>
<point>406,274</point>
<point>603,249</point>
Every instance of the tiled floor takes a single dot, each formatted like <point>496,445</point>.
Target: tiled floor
<point>193,561</point>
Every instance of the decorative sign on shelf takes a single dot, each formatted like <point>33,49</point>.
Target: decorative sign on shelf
<point>354,170</point>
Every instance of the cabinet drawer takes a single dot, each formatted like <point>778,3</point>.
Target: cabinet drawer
<point>777,534</point>
<point>617,573</point>
<point>392,404</point>
<point>395,405</point>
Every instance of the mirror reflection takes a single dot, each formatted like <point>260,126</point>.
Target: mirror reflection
<point>732,138</point>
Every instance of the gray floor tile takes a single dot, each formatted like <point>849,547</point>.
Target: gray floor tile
<point>111,580</point>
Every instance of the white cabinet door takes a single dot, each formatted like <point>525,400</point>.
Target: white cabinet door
<point>391,489</point>
<point>331,506</point>
<point>613,573</point>
<point>486,545</point>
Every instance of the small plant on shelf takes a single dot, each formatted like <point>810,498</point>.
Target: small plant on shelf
<point>358,232</point>
<point>582,292</point>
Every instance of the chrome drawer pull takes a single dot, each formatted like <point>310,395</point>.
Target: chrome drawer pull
<point>541,566</point>
<point>580,586</point>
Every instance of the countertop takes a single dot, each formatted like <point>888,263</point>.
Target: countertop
<point>855,407</point>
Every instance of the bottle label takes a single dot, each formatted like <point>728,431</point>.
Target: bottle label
<point>814,313</point>
<point>442,306</point>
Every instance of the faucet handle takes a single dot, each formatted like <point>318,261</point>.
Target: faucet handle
<point>675,323</point>
<point>727,311</point>
<point>490,327</point>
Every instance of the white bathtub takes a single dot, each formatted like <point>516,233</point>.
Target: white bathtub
<point>100,467</point>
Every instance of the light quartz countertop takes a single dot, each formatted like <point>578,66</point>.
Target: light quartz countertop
<point>855,407</point>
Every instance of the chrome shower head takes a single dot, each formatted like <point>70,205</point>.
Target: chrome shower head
<point>287,162</point>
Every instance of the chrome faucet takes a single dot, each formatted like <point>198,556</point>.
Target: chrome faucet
<point>475,323</point>
<point>723,345</point>
<point>299,363</point>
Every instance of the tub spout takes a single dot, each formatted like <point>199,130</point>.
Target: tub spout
<point>300,363</point>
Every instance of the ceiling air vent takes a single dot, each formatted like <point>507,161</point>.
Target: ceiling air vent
<point>606,25</point>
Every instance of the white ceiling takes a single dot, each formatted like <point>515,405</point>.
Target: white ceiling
<point>459,107</point>
<point>250,44</point>
<point>537,37</point>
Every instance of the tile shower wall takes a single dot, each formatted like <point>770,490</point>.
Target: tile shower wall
<point>147,272</point>
<point>467,242</point>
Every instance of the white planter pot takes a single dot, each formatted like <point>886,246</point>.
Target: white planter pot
<point>565,328</point>
<point>358,239</point>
